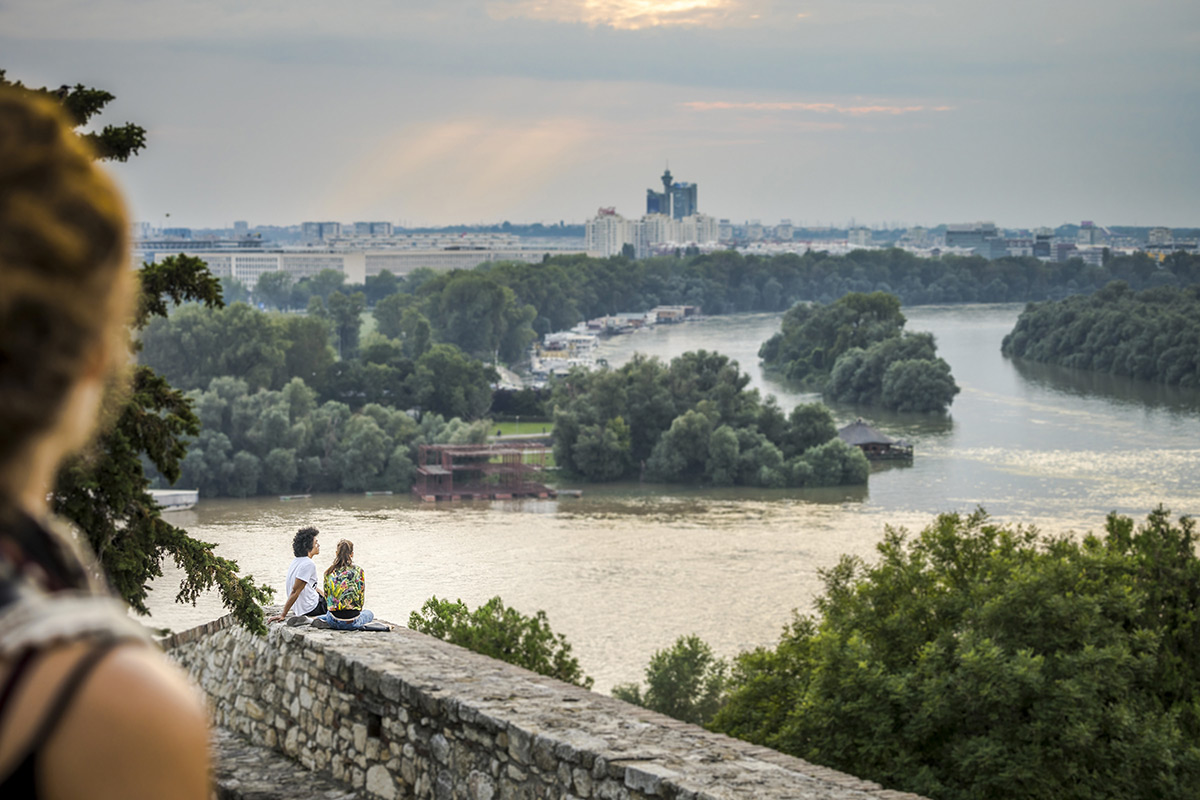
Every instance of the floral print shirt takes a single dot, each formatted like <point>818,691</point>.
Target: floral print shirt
<point>344,589</point>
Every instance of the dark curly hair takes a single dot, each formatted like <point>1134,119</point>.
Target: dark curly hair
<point>303,540</point>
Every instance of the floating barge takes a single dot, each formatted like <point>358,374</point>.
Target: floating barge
<point>481,471</point>
<point>876,446</point>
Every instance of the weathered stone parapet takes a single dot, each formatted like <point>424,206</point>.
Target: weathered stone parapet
<point>402,714</point>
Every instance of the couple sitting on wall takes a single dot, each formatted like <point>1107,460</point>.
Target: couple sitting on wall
<point>340,605</point>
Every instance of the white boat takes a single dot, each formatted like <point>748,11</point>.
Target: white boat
<point>175,499</point>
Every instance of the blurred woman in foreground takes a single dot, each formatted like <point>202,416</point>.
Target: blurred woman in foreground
<point>88,707</point>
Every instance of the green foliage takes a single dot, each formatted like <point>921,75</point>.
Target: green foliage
<point>112,142</point>
<point>286,442</point>
<point>503,633</point>
<point>686,682</point>
<point>1152,335</point>
<point>978,660</point>
<point>106,495</point>
<point>692,420</point>
<point>196,345</point>
<point>856,351</point>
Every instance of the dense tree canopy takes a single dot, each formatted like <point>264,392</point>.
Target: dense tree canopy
<point>978,660</point>
<point>693,420</point>
<point>197,344</point>
<point>504,633</point>
<point>1152,335</point>
<point>856,351</point>
<point>286,442</point>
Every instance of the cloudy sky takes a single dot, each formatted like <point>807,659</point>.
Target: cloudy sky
<point>1025,112</point>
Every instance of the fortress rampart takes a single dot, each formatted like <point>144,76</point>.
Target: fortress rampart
<point>402,714</point>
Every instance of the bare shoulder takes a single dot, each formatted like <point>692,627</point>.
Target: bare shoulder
<point>137,729</point>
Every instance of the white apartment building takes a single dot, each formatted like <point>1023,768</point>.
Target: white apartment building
<point>859,237</point>
<point>608,232</point>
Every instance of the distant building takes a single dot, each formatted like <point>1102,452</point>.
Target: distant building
<point>177,233</point>
<point>683,200</point>
<point>372,229</point>
<point>1043,244</point>
<point>859,237</point>
<point>1089,233</point>
<point>606,233</point>
<point>1161,236</point>
<point>320,231</point>
<point>754,230</point>
<point>784,230</point>
<point>971,235</point>
<point>241,229</point>
<point>676,200</point>
<point>725,230</point>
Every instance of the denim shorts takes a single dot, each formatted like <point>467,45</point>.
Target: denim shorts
<point>363,618</point>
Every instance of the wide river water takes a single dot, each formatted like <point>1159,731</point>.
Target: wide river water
<point>625,569</point>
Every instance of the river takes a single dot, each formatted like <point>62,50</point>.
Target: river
<point>625,569</point>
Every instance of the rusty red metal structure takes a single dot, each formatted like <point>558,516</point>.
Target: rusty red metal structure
<point>481,471</point>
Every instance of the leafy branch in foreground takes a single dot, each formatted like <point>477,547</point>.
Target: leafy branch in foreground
<point>503,633</point>
<point>980,660</point>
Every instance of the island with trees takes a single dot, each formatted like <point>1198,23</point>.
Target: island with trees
<point>855,350</point>
<point>1152,335</point>
<point>693,420</point>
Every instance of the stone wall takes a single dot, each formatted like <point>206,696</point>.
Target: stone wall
<point>402,714</point>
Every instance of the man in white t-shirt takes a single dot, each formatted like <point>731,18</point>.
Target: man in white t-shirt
<point>305,598</point>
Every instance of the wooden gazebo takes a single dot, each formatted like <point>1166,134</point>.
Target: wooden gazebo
<point>876,446</point>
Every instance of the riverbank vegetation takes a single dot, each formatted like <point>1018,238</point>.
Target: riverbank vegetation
<point>496,630</point>
<point>980,660</point>
<point>286,441</point>
<point>693,420</point>
<point>499,307</point>
<point>856,351</point>
<point>1152,335</point>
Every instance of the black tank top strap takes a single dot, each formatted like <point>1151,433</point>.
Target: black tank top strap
<point>67,691</point>
<point>14,680</point>
<point>22,778</point>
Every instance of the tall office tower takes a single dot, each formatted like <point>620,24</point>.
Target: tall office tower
<point>683,200</point>
<point>241,229</point>
<point>660,202</point>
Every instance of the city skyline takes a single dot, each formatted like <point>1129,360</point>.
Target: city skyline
<point>460,112</point>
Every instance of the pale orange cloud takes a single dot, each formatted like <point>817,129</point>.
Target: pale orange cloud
<point>633,14</point>
<point>817,108</point>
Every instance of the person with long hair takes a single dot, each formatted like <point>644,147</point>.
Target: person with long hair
<point>345,591</point>
<point>88,706</point>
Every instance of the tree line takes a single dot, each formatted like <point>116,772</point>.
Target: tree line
<point>499,308</point>
<point>693,420</point>
<point>856,351</point>
<point>285,441</point>
<point>1151,335</point>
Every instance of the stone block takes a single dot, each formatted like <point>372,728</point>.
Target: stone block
<point>480,786</point>
<point>440,747</point>
<point>380,782</point>
<point>543,753</point>
<point>581,779</point>
<point>520,745</point>
<point>648,777</point>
